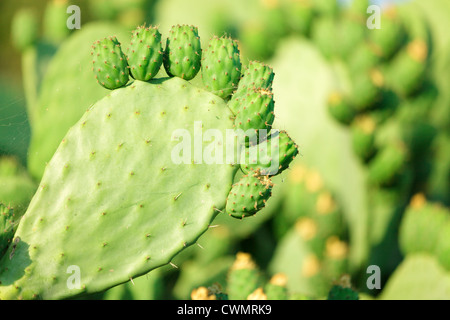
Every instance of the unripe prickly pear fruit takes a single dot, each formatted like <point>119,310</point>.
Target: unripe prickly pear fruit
<point>145,54</point>
<point>363,137</point>
<point>248,196</point>
<point>390,36</point>
<point>340,109</point>
<point>110,63</point>
<point>276,288</point>
<point>6,227</point>
<point>270,157</point>
<point>55,21</point>
<point>243,277</point>
<point>183,53</point>
<point>221,66</point>
<point>255,113</point>
<point>202,293</point>
<point>24,29</point>
<point>387,164</point>
<point>367,89</point>
<point>422,225</point>
<point>406,72</point>
<point>364,57</point>
<point>256,75</point>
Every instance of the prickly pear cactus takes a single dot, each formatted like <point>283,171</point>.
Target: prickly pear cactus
<point>140,176</point>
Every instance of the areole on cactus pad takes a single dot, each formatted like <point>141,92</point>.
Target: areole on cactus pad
<point>114,202</point>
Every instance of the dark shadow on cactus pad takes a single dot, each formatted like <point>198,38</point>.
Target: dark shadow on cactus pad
<point>17,251</point>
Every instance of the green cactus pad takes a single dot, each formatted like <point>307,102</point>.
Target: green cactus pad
<point>145,53</point>
<point>221,66</point>
<point>256,112</point>
<point>113,189</point>
<point>270,157</point>
<point>109,63</point>
<point>248,196</point>
<point>67,89</point>
<point>183,53</point>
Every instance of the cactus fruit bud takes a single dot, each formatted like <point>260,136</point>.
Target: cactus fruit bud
<point>255,113</point>
<point>276,288</point>
<point>24,29</point>
<point>367,89</point>
<point>406,72</point>
<point>422,225</point>
<point>270,157</point>
<point>387,164</point>
<point>390,37</point>
<point>110,63</point>
<point>55,21</point>
<point>258,294</point>
<point>243,277</point>
<point>145,54</point>
<point>221,66</point>
<point>257,75</point>
<point>248,196</point>
<point>340,109</point>
<point>183,53</point>
<point>202,293</point>
<point>363,137</point>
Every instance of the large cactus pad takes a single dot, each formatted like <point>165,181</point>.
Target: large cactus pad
<point>112,193</point>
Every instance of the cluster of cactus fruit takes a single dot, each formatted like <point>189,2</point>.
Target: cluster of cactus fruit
<point>134,196</point>
<point>245,281</point>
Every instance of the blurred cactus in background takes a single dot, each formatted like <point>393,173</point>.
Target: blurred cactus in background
<point>365,97</point>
